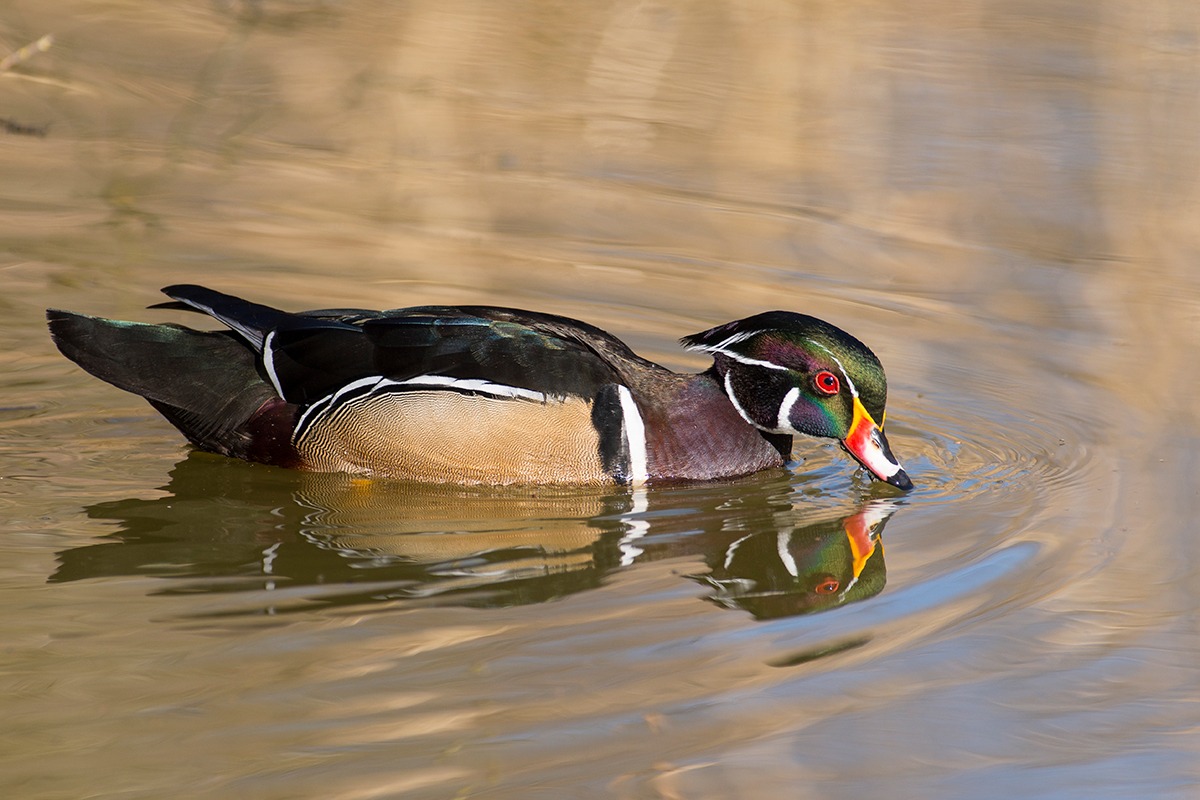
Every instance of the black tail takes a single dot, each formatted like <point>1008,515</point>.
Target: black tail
<point>207,384</point>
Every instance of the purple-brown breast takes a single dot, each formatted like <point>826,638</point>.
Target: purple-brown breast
<point>694,433</point>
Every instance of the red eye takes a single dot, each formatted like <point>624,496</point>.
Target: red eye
<point>826,382</point>
<point>827,586</point>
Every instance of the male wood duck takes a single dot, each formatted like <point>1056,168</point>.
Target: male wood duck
<point>476,394</point>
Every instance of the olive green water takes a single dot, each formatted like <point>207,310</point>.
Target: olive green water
<point>1002,199</point>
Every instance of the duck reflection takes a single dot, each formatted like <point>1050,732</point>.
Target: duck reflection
<point>802,569</point>
<point>225,526</point>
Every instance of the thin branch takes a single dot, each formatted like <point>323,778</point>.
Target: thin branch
<point>28,51</point>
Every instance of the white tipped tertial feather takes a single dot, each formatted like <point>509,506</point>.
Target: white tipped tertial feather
<point>268,354</point>
<point>252,335</point>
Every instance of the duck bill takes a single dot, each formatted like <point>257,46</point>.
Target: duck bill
<point>869,447</point>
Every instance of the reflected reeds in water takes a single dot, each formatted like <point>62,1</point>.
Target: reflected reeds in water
<point>283,541</point>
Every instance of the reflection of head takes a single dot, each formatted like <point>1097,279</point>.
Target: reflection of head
<point>806,568</point>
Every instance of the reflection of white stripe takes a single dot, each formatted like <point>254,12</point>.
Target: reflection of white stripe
<point>637,527</point>
<point>268,558</point>
<point>635,437</point>
<point>876,511</point>
<point>732,550</point>
<point>785,555</point>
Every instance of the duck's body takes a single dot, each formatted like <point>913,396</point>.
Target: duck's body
<point>477,394</point>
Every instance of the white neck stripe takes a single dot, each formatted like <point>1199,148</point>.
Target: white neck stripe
<point>783,423</point>
<point>742,412</point>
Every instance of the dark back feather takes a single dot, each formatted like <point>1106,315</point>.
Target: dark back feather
<point>312,354</point>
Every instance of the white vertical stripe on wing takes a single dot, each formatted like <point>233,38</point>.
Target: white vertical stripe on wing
<point>268,354</point>
<point>635,437</point>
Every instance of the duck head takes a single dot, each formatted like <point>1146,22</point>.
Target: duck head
<point>789,373</point>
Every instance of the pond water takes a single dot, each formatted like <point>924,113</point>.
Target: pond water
<point>1002,199</point>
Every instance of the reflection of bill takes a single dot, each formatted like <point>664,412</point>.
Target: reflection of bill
<point>804,569</point>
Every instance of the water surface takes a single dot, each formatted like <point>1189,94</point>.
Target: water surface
<point>1001,199</point>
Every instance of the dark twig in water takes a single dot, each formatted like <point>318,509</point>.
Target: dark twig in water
<point>11,60</point>
<point>18,129</point>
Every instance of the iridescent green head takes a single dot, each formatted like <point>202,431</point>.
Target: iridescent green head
<point>789,373</point>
